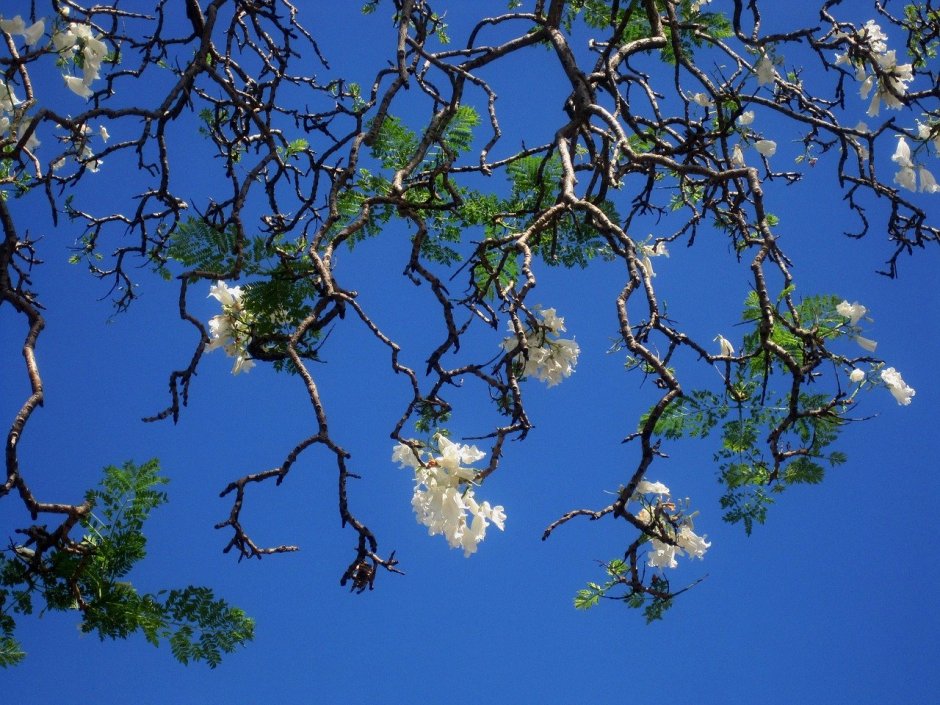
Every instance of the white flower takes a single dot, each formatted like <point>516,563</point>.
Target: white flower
<point>78,87</point>
<point>906,177</point>
<point>550,359</point>
<point>853,311</point>
<point>405,456</point>
<point>737,156</point>
<point>872,35</point>
<point>766,147</point>
<point>103,131</point>
<point>552,321</point>
<point>21,130</point>
<point>647,251</point>
<point>702,99</point>
<point>226,295</point>
<point>34,32</point>
<point>925,131</point>
<point>897,386</point>
<point>231,329</point>
<point>928,183</point>
<point>726,348</point>
<point>902,153</point>
<point>16,26</point>
<point>764,70</point>
<point>857,375</point>
<point>866,343</point>
<point>243,363</point>
<point>662,555</point>
<point>647,487</point>
<point>892,83</point>
<point>64,41</point>
<point>497,515</point>
<point>745,118</point>
<point>443,498</point>
<point>690,542</point>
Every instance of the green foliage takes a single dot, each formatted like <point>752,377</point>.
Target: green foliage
<point>11,176</point>
<point>458,135</point>
<point>293,148</point>
<point>654,600</point>
<point>922,41</point>
<point>89,576</point>
<point>751,409</point>
<point>571,240</point>
<point>395,144</point>
<point>599,14</point>
<point>199,245</point>
<point>585,599</point>
<point>693,415</point>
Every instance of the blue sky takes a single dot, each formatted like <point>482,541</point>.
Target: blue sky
<point>831,601</point>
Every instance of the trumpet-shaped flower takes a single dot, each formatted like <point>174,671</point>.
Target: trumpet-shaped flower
<point>866,343</point>
<point>899,389</point>
<point>231,329</point>
<point>928,184</point>
<point>906,177</point>
<point>78,87</point>
<point>857,375</point>
<point>872,35</point>
<point>737,156</point>
<point>662,555</point>
<point>929,132</point>
<point>17,26</point>
<point>902,153</point>
<point>549,358</point>
<point>767,148</point>
<point>853,311</point>
<point>690,542</point>
<point>648,251</point>
<point>765,70</point>
<point>647,487</point>
<point>443,498</point>
<point>745,118</point>
<point>702,99</point>
<point>726,348</point>
<point>13,26</point>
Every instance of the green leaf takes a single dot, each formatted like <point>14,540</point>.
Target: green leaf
<point>585,599</point>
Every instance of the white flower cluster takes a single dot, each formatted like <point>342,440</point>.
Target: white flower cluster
<point>894,77</point>
<point>77,39</point>
<point>891,378</point>
<point>550,359</point>
<point>899,389</point>
<point>231,329</point>
<point>75,44</point>
<point>72,41</point>
<point>656,516</point>
<point>443,497</point>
